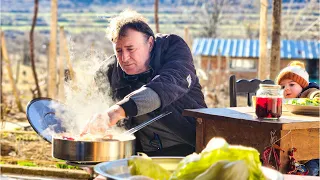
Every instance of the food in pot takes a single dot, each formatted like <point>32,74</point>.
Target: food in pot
<point>86,137</point>
<point>94,137</point>
<point>68,138</point>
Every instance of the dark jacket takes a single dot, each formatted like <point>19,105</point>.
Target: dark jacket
<point>173,77</point>
<point>311,91</point>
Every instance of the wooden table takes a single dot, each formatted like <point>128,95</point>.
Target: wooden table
<point>239,125</point>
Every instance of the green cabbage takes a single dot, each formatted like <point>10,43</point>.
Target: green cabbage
<point>226,170</point>
<point>218,160</point>
<point>146,167</point>
<point>190,167</point>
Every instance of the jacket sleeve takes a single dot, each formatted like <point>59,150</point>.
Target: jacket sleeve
<point>177,76</point>
<point>310,93</point>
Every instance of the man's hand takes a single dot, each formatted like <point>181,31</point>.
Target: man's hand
<point>99,123</point>
<point>115,114</point>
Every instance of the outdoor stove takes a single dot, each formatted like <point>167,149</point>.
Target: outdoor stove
<point>76,152</point>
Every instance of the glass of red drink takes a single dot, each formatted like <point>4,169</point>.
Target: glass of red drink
<point>269,102</point>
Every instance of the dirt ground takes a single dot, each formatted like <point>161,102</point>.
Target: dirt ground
<point>21,144</point>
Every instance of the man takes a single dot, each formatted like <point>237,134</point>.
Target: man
<point>150,75</point>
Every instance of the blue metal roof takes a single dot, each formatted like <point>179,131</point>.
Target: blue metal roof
<point>290,49</point>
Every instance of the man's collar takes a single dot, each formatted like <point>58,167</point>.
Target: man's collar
<point>141,76</point>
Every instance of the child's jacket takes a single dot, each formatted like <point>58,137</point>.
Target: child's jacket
<point>311,91</point>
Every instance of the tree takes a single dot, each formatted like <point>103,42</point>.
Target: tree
<point>276,36</point>
<point>156,18</point>
<point>264,62</point>
<point>5,56</point>
<point>34,21</point>
<point>251,27</point>
<point>210,15</point>
<point>300,20</point>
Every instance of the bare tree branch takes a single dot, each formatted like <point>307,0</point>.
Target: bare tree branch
<point>209,16</point>
<point>295,20</point>
<point>34,21</point>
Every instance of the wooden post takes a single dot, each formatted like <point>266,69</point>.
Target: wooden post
<point>61,66</point>
<point>67,56</point>
<point>227,71</point>
<point>187,37</point>
<point>52,88</point>
<point>1,98</point>
<point>276,37</point>
<point>210,74</point>
<point>8,64</point>
<point>156,17</point>
<point>17,71</point>
<point>263,60</point>
<point>227,64</point>
<point>218,71</point>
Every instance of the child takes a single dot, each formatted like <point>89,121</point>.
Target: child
<point>294,79</point>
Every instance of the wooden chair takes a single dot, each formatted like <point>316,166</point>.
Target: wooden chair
<point>242,86</point>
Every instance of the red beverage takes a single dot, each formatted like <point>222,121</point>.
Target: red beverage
<point>269,107</point>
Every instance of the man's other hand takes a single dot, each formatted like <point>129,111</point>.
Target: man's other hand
<point>115,114</point>
<point>99,123</point>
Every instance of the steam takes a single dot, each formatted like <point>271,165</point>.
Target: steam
<point>82,97</point>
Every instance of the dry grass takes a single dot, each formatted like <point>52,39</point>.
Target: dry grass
<point>21,144</point>
<point>27,147</point>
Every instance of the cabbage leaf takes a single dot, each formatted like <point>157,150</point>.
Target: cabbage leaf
<point>146,167</point>
<point>190,169</point>
<point>226,170</point>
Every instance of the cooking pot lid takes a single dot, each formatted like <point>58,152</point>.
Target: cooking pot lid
<point>41,116</point>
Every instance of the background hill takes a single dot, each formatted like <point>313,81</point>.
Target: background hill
<point>85,21</point>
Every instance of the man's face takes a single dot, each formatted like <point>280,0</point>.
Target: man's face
<point>291,88</point>
<point>133,52</point>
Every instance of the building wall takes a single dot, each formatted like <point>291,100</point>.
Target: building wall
<point>217,77</point>
<point>210,65</point>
